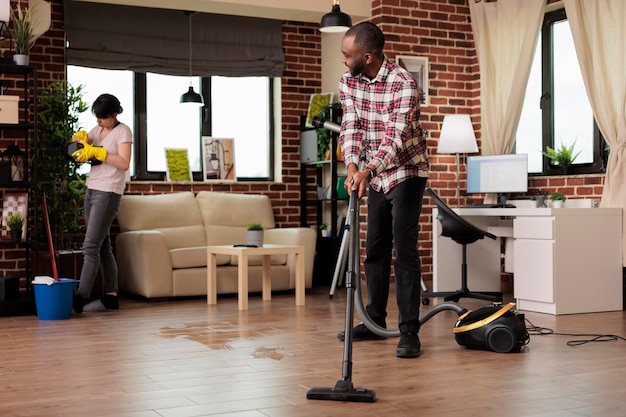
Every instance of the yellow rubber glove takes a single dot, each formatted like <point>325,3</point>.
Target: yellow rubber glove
<point>81,136</point>
<point>90,152</point>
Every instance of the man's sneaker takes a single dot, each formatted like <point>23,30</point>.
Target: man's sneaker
<point>409,346</point>
<point>360,332</point>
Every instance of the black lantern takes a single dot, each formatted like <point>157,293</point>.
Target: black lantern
<point>12,160</point>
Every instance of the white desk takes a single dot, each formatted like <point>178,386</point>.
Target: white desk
<point>243,254</point>
<point>566,260</point>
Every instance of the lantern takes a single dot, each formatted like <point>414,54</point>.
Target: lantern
<point>13,158</point>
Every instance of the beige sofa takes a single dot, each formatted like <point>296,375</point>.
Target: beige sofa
<point>161,248</point>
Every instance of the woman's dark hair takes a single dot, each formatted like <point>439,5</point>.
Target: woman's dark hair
<point>106,106</point>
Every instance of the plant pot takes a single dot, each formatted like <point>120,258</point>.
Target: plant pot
<point>54,302</point>
<point>557,203</point>
<point>16,235</point>
<point>21,59</point>
<point>254,237</point>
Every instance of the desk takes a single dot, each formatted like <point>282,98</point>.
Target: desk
<point>566,260</point>
<point>243,254</point>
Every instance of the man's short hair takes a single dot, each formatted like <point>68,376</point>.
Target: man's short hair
<point>368,37</point>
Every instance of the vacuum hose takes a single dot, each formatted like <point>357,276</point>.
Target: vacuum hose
<point>360,307</point>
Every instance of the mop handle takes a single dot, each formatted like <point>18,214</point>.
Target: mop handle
<point>54,261</point>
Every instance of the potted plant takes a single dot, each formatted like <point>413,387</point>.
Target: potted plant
<point>562,156</point>
<point>324,229</point>
<point>254,234</point>
<point>59,180</point>
<point>15,223</point>
<point>558,199</point>
<point>22,26</point>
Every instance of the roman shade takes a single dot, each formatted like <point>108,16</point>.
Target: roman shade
<point>157,40</point>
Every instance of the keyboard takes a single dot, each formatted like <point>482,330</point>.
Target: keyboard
<point>489,206</point>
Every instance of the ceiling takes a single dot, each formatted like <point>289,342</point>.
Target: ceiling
<point>296,10</point>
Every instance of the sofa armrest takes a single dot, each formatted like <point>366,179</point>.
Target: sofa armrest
<point>296,236</point>
<point>144,263</point>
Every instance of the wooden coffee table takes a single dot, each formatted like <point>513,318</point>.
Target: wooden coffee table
<point>243,253</point>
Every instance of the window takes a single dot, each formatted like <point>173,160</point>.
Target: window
<point>556,109</point>
<point>240,108</point>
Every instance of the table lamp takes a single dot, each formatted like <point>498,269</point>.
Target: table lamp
<point>457,136</point>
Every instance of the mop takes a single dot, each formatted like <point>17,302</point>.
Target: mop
<point>55,275</point>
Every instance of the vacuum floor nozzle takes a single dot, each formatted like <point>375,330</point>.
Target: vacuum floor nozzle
<point>342,391</point>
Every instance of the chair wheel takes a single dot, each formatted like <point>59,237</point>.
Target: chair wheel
<point>425,301</point>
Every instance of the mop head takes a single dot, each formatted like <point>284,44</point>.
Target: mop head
<point>42,279</point>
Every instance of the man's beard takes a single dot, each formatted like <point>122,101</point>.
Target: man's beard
<point>357,70</point>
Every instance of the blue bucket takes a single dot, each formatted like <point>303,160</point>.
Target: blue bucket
<point>54,302</point>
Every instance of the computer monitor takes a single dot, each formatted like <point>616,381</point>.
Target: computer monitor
<point>501,174</point>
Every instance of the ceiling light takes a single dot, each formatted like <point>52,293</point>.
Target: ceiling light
<point>336,21</point>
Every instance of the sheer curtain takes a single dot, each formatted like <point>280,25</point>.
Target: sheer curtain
<point>599,32</point>
<point>505,33</point>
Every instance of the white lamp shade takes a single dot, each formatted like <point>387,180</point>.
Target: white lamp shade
<point>457,135</point>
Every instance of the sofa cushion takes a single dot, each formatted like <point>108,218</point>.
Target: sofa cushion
<point>194,258</point>
<point>227,209</point>
<point>143,212</point>
<point>184,236</point>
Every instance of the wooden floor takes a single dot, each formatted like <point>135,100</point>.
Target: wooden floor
<point>184,358</point>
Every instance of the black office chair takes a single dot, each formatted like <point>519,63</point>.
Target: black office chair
<point>463,233</point>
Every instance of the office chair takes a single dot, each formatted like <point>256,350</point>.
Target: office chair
<point>463,233</point>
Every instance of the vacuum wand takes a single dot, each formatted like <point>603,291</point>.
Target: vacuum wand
<point>323,124</point>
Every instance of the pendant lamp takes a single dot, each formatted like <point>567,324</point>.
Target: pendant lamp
<point>191,97</point>
<point>336,21</point>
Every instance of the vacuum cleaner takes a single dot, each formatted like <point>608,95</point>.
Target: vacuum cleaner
<point>497,328</point>
<point>344,389</point>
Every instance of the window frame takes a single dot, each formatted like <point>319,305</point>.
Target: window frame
<point>140,143</point>
<point>547,107</point>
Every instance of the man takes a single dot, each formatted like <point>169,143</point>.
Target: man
<point>381,118</point>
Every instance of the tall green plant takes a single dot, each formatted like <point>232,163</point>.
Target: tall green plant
<point>60,105</point>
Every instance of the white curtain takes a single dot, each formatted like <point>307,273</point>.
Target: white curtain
<point>505,33</point>
<point>599,32</point>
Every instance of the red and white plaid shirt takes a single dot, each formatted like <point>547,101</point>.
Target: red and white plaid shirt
<point>381,116</point>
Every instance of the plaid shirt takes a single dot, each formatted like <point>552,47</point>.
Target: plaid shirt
<point>382,117</point>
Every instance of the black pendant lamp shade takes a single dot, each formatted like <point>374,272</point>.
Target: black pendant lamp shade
<point>336,21</point>
<point>191,97</point>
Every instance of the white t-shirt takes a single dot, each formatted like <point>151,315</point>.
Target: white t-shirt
<point>106,177</point>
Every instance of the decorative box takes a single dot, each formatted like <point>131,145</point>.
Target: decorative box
<point>9,109</point>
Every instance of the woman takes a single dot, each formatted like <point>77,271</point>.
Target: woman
<point>108,147</point>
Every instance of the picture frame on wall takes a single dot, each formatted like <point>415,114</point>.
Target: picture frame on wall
<point>218,159</point>
<point>316,103</point>
<point>418,67</point>
<point>177,164</point>
<point>12,202</point>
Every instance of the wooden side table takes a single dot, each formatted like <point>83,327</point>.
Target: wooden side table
<point>243,253</point>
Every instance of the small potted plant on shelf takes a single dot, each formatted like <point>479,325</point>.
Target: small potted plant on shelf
<point>254,234</point>
<point>558,199</point>
<point>15,223</point>
<point>23,22</point>
<point>324,229</point>
<point>563,156</point>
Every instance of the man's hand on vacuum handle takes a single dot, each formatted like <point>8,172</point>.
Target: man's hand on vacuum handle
<point>357,180</point>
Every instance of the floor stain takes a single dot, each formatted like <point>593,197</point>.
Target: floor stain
<point>221,336</point>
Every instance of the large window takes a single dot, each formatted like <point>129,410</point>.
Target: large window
<point>239,108</point>
<point>556,108</point>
